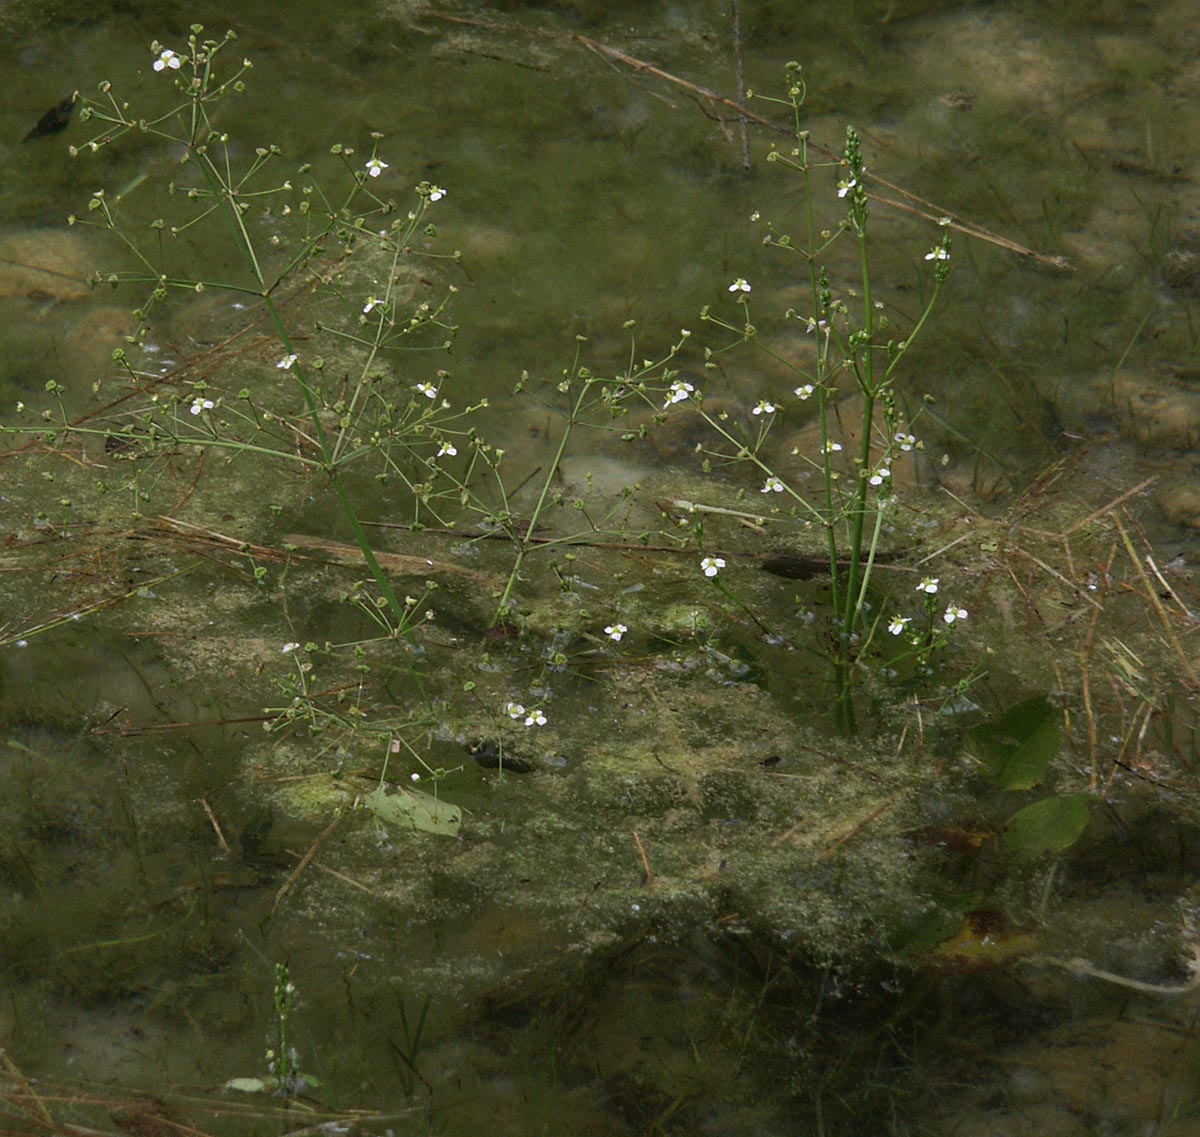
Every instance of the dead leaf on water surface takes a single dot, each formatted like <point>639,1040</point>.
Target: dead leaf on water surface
<point>416,810</point>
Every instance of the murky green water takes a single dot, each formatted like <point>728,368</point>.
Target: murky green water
<point>684,904</point>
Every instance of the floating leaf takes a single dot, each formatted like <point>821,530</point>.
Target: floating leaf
<point>1022,744</point>
<point>416,810</point>
<point>1048,826</point>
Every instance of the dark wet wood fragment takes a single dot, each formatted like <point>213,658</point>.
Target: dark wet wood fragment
<point>489,753</point>
<point>55,120</point>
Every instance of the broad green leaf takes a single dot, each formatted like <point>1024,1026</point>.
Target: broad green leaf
<point>1021,745</point>
<point>1048,826</point>
<point>415,810</point>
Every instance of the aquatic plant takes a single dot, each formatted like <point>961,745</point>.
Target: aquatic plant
<point>369,400</point>
<point>857,353</point>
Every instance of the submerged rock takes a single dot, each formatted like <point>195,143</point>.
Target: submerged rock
<point>44,262</point>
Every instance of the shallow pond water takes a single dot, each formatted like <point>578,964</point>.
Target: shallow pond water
<point>684,903</point>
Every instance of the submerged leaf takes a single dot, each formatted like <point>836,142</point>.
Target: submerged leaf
<point>1022,744</point>
<point>1048,826</point>
<point>247,1085</point>
<point>416,810</point>
<point>934,923</point>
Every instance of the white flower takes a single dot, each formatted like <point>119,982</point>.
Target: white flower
<point>939,254</point>
<point>426,389</point>
<point>200,404</point>
<point>375,167</point>
<point>514,710</point>
<point>447,448</point>
<point>679,391</point>
<point>415,776</point>
<point>290,647</point>
<point>712,565</point>
<point>436,193</point>
<point>832,447</point>
<point>812,324</point>
<point>897,624</point>
<point>167,58</point>
<point>772,485</point>
<point>907,441</point>
<point>928,585</point>
<point>535,718</point>
<point>615,632</point>
<point>880,476</point>
<point>371,305</point>
<point>285,364</point>
<point>805,391</point>
<point>844,187</point>
<point>764,408</point>
<point>740,285</point>
<point>952,613</point>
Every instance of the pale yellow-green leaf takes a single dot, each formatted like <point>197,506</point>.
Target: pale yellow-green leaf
<point>416,810</point>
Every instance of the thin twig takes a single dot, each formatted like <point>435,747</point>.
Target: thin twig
<point>286,887</point>
<point>212,817</point>
<point>649,877</point>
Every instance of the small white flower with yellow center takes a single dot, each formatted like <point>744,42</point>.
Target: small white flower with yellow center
<point>805,391</point>
<point>907,441</point>
<point>285,364</point>
<point>772,485</point>
<point>535,718</point>
<point>200,404</point>
<point>678,391</point>
<point>426,389</point>
<point>880,476</point>
<point>846,185</point>
<point>941,253</point>
<point>376,166</point>
<point>514,711</point>
<point>615,632</point>
<point>167,59</point>
<point>436,193</point>
<point>447,448</point>
<point>712,565</point>
<point>897,624</point>
<point>373,302</point>
<point>765,407</point>
<point>832,447</point>
<point>740,285</point>
<point>928,585</point>
<point>953,614</point>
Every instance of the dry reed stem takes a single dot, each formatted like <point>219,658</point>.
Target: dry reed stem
<point>1184,662</point>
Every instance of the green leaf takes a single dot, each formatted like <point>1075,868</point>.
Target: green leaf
<point>1048,826</point>
<point>1021,745</point>
<point>415,810</point>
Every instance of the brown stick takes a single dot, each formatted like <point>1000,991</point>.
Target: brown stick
<point>286,887</point>
<point>920,207</point>
<point>649,877</point>
<point>212,817</point>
